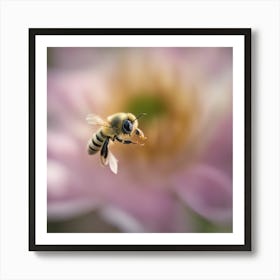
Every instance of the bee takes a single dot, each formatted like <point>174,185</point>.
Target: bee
<point>119,127</point>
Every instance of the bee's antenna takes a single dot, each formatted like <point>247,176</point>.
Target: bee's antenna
<point>139,116</point>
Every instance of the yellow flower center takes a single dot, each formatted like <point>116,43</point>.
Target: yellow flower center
<point>173,114</point>
<point>169,127</point>
<point>149,103</point>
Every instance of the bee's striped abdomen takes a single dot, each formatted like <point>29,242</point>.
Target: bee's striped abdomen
<point>96,142</point>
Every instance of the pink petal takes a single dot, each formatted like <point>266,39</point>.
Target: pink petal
<point>218,154</point>
<point>58,179</point>
<point>65,209</point>
<point>207,191</point>
<point>155,210</point>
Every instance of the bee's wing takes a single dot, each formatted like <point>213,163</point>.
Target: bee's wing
<point>96,120</point>
<point>111,160</point>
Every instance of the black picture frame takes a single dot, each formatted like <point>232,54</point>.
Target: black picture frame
<point>246,32</point>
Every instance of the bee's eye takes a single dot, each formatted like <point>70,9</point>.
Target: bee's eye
<point>127,126</point>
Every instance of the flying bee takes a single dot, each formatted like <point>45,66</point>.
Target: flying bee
<point>120,127</point>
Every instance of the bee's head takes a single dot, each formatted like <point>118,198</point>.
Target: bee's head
<point>127,126</point>
<point>131,123</point>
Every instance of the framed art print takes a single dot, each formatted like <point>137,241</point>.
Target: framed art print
<point>140,139</point>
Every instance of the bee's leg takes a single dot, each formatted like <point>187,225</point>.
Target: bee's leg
<point>137,131</point>
<point>104,149</point>
<point>125,141</point>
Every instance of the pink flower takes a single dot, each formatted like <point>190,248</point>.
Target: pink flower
<point>182,176</point>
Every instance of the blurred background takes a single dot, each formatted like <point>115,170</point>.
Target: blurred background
<point>181,179</point>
